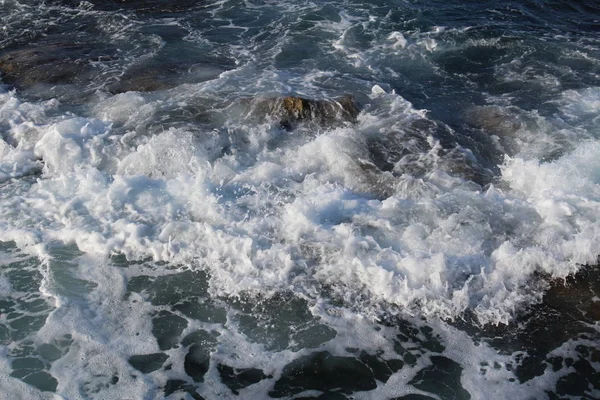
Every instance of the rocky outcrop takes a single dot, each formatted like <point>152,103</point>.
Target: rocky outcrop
<point>147,79</point>
<point>59,63</point>
<point>161,74</point>
<point>494,120</point>
<point>292,110</point>
<point>65,64</point>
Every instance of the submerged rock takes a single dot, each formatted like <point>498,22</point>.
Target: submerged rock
<point>494,120</point>
<point>142,80</point>
<point>410,151</point>
<point>57,63</point>
<point>292,110</point>
<point>163,74</point>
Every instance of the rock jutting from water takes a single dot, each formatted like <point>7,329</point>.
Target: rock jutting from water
<point>292,110</point>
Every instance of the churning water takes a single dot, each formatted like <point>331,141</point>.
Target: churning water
<point>165,232</point>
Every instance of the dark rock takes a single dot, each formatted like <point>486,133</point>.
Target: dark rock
<point>324,372</point>
<point>292,109</point>
<point>142,80</point>
<point>442,378</point>
<point>236,379</point>
<point>148,362</point>
<point>52,64</point>
<point>161,74</point>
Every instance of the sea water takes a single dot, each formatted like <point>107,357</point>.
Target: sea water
<point>158,239</point>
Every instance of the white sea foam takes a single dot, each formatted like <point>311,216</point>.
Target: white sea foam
<point>168,198</point>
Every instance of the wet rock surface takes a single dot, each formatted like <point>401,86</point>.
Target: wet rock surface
<point>61,62</point>
<point>406,152</point>
<point>50,64</point>
<point>162,75</point>
<point>291,110</point>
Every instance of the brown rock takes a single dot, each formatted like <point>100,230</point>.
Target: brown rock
<point>293,109</point>
<point>494,120</point>
<point>160,74</point>
<point>60,63</point>
<point>147,79</point>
